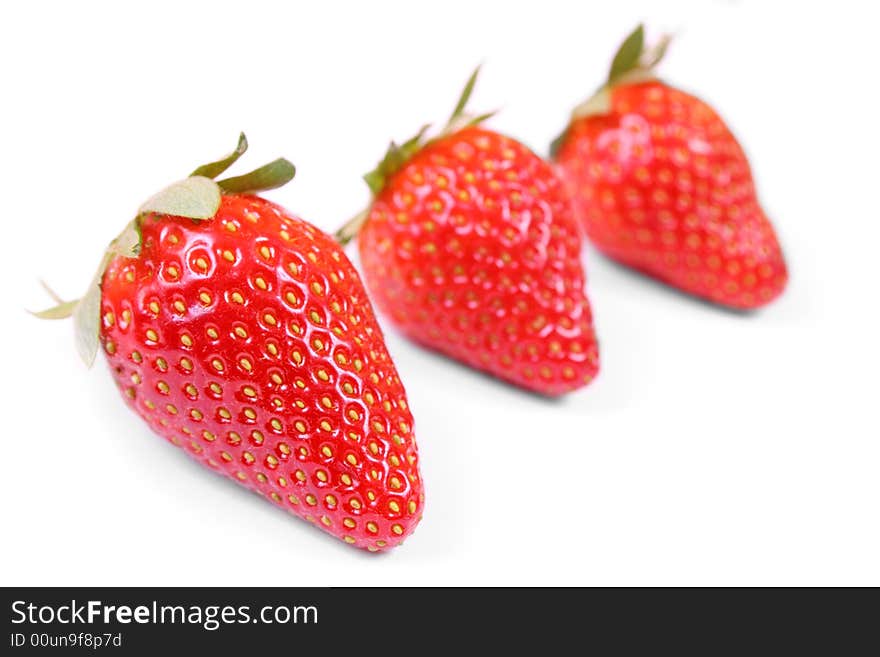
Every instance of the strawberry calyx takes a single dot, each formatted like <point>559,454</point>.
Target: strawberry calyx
<point>196,197</point>
<point>397,155</point>
<point>633,62</point>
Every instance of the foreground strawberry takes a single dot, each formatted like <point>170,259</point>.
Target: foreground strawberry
<point>242,334</point>
<point>662,185</point>
<point>471,247</point>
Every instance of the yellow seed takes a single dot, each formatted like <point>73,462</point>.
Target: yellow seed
<point>191,390</point>
<point>207,435</point>
<point>179,306</point>
<point>311,500</point>
<point>245,364</point>
<point>272,461</point>
<point>249,413</point>
<point>233,438</point>
<point>321,475</point>
<point>216,389</point>
<point>345,479</point>
<point>355,503</point>
<point>411,506</point>
<point>236,297</point>
<point>291,298</point>
<point>293,499</point>
<point>348,522</point>
<point>372,527</point>
<point>226,456</point>
<point>186,340</point>
<point>172,272</point>
<point>397,529</point>
<point>205,298</point>
<point>196,415</point>
<point>275,424</point>
<point>323,375</point>
<point>326,426</point>
<point>348,539</point>
<point>327,402</point>
<point>171,408</point>
<point>315,317</point>
<point>163,387</point>
<point>212,333</point>
<point>325,520</point>
<point>186,364</point>
<point>265,252</point>
<point>317,288</point>
<point>270,319</point>
<point>260,282</point>
<point>152,335</point>
<point>129,276</point>
<point>240,332</point>
<point>249,392</point>
<point>326,451</point>
<point>248,458</point>
<point>394,506</point>
<point>300,475</point>
<point>257,437</point>
<point>228,256</point>
<point>395,482</point>
<point>225,414</point>
<point>202,264</point>
<point>352,459</point>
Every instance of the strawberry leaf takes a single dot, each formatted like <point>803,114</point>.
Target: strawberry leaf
<point>627,56</point>
<point>270,176</point>
<point>214,169</point>
<point>196,197</point>
<point>87,316</point>
<point>63,310</point>
<point>464,97</point>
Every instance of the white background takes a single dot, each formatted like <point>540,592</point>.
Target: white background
<point>715,448</point>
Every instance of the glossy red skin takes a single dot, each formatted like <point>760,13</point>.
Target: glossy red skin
<point>661,184</point>
<point>367,418</point>
<point>473,250</point>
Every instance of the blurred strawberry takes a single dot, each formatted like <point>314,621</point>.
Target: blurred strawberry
<point>662,185</point>
<point>471,247</point>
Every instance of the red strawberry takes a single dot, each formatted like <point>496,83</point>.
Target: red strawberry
<point>471,247</point>
<point>243,335</point>
<point>661,184</point>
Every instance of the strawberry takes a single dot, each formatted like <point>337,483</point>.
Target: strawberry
<point>472,249</point>
<point>661,184</point>
<point>243,335</point>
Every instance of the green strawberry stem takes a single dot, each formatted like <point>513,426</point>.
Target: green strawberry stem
<point>633,62</point>
<point>214,169</point>
<point>397,155</point>
<point>269,176</point>
<point>196,197</point>
<point>351,227</point>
